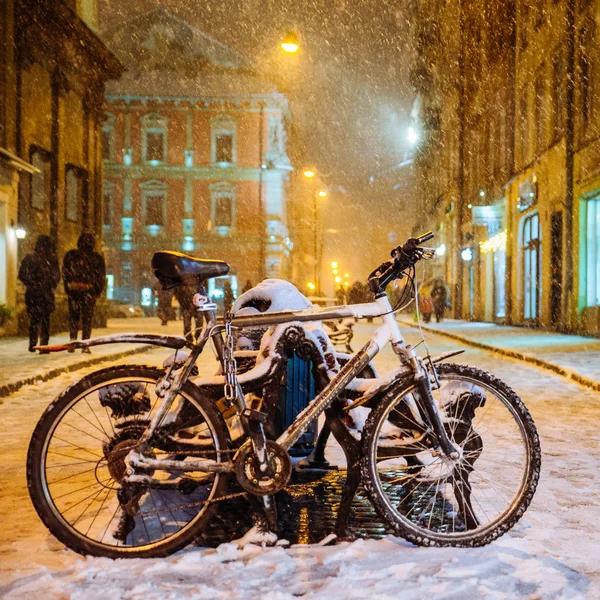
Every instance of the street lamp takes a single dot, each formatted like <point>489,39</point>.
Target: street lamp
<point>309,174</point>
<point>413,136</point>
<point>322,194</point>
<point>290,43</point>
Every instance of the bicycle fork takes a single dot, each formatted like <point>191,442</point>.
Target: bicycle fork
<point>423,385</point>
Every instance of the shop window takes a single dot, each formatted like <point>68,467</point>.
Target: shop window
<point>223,140</point>
<point>590,271</point>
<point>531,245</point>
<point>154,139</point>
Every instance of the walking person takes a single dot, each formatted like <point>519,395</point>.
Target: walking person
<point>439,297</point>
<point>84,275</point>
<point>40,274</point>
<point>184,295</point>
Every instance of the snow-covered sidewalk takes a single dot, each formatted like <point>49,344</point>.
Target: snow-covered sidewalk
<point>20,367</point>
<point>573,356</point>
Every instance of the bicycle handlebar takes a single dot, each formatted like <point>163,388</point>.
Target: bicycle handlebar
<point>404,257</point>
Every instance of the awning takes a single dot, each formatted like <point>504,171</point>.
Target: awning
<point>18,163</point>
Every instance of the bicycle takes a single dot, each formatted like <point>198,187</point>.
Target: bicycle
<point>132,461</point>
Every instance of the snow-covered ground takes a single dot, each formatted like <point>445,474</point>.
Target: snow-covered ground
<point>554,552</point>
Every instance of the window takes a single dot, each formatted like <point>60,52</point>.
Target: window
<point>154,138</point>
<point>539,112</point>
<point>223,207</point>
<point>223,216</point>
<point>531,245</point>
<point>224,150</point>
<point>108,137</point>
<point>154,205</point>
<point>558,95</point>
<point>155,142</point>
<point>40,159</point>
<point>223,140</point>
<point>155,209</point>
<point>108,202</point>
<point>590,271</point>
<point>73,192</point>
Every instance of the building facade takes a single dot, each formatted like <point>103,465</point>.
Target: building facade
<point>512,158</point>
<point>194,148</point>
<point>52,74</point>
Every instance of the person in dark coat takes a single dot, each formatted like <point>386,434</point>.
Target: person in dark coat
<point>185,296</point>
<point>84,276</point>
<point>40,274</point>
<point>439,297</point>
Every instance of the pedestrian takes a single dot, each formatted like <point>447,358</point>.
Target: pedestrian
<point>439,297</point>
<point>40,274</point>
<point>84,275</point>
<point>184,294</point>
<point>164,310</point>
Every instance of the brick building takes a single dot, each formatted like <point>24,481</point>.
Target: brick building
<point>509,166</point>
<point>195,158</point>
<point>53,69</point>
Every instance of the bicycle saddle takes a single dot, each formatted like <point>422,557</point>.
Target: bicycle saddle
<point>173,269</point>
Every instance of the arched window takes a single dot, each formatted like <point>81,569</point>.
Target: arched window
<point>531,244</point>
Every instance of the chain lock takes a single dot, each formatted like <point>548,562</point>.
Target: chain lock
<point>229,364</point>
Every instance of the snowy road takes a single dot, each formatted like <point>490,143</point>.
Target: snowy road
<point>554,552</point>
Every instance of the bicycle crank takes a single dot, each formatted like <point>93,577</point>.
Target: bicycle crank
<point>250,477</point>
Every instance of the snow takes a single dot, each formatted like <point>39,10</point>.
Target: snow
<point>553,553</point>
<point>281,294</point>
<point>364,568</point>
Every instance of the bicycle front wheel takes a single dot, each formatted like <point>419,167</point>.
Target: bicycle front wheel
<point>76,466</point>
<point>432,500</point>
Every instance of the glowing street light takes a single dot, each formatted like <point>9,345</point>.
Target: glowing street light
<point>20,232</point>
<point>413,136</point>
<point>338,279</point>
<point>309,174</point>
<point>322,194</point>
<point>311,286</point>
<point>334,264</point>
<point>290,43</point>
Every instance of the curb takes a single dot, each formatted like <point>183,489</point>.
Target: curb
<point>11,388</point>
<point>528,358</point>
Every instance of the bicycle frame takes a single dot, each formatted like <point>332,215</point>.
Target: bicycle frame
<point>171,384</point>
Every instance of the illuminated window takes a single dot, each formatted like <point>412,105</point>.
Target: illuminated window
<point>590,237</point>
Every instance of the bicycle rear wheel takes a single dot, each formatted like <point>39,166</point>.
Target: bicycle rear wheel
<point>76,466</point>
<point>434,501</point>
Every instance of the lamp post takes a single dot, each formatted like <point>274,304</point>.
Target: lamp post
<point>317,273</point>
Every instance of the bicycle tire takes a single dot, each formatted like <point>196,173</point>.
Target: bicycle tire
<point>391,514</point>
<point>40,442</point>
